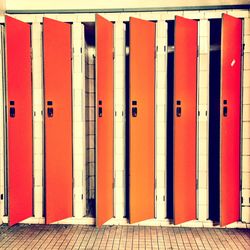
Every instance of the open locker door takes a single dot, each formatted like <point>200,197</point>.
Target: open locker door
<point>105,120</point>
<point>58,120</point>
<point>18,48</point>
<point>142,120</point>
<point>231,46</point>
<point>185,82</point>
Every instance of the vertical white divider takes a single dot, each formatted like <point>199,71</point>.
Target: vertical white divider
<point>245,143</point>
<point>78,96</point>
<point>38,133</point>
<point>202,128</point>
<point>160,119</point>
<point>119,121</point>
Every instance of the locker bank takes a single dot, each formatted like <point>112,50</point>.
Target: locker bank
<point>125,115</point>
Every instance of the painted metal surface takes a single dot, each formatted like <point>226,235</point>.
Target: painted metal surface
<point>18,53</point>
<point>185,77</point>
<point>105,119</point>
<point>142,120</point>
<point>58,120</point>
<point>231,46</point>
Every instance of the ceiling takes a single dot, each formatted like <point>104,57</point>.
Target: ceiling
<point>84,5</point>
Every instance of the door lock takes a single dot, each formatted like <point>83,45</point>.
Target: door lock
<point>12,109</point>
<point>225,108</point>
<point>178,108</point>
<point>50,110</point>
<point>134,108</point>
<point>100,108</point>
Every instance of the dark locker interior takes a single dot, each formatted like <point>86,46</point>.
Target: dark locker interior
<point>170,131</point>
<point>214,120</point>
<point>90,105</point>
<point>127,118</point>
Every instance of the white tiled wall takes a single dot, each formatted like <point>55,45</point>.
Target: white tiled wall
<point>78,87</point>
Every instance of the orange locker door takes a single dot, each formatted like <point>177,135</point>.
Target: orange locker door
<point>231,45</point>
<point>58,120</point>
<point>142,120</point>
<point>185,77</point>
<point>19,105</point>
<point>105,120</point>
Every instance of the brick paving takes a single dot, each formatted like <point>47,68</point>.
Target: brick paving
<point>121,237</point>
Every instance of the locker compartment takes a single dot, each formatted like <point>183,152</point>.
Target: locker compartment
<point>214,119</point>
<point>90,119</point>
<point>224,119</point>
<point>181,117</point>
<point>170,124</point>
<point>127,137</point>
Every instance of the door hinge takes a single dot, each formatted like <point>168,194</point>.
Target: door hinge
<point>163,198</point>
<point>113,54</point>
<point>113,183</point>
<point>82,196</point>
<point>31,53</point>
<point>197,183</point>
<point>1,197</point>
<point>241,200</point>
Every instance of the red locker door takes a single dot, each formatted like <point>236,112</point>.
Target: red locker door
<point>142,113</point>
<point>58,119</point>
<point>230,119</point>
<point>185,76</point>
<point>19,105</point>
<point>105,120</point>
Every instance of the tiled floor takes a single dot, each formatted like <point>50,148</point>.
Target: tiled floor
<point>121,237</point>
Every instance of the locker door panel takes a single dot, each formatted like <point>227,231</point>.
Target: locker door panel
<point>105,119</point>
<point>58,119</point>
<point>19,120</point>
<point>230,119</point>
<point>185,77</point>
<point>142,106</point>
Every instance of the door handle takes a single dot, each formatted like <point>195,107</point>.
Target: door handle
<point>100,108</point>
<point>12,112</point>
<point>178,111</point>
<point>225,108</point>
<point>225,111</point>
<point>134,111</point>
<point>50,112</point>
<point>100,111</point>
